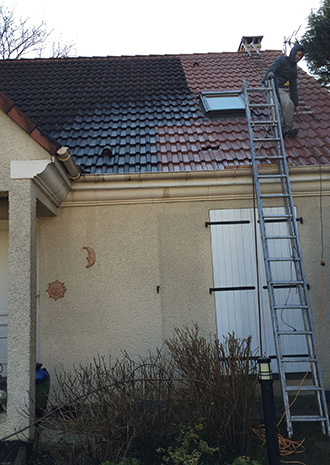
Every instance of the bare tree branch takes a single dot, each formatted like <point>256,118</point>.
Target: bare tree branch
<point>18,38</point>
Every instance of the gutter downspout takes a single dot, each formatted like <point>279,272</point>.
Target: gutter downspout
<point>64,155</point>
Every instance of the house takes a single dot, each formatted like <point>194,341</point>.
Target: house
<point>112,171</point>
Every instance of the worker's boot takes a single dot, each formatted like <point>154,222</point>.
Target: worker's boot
<point>292,133</point>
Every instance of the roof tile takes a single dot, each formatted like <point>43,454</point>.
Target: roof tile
<point>146,110</point>
<point>23,121</point>
<point>45,141</point>
<point>5,103</point>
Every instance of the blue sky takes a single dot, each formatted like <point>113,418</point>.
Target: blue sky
<point>143,27</point>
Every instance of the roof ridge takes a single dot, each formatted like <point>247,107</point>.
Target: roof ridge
<point>106,57</point>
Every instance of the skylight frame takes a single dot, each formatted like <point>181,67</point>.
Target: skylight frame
<point>229,102</point>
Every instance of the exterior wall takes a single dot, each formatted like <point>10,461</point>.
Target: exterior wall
<point>15,144</point>
<point>114,305</point>
<point>18,203</point>
<point>310,237</point>
<point>22,305</point>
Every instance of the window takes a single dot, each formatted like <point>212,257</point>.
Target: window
<point>223,103</point>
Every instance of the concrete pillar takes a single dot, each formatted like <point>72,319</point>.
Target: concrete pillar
<point>22,307</point>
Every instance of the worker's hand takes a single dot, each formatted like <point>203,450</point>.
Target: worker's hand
<point>270,75</point>
<point>296,110</point>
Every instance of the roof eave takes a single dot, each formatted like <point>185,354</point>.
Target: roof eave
<point>230,184</point>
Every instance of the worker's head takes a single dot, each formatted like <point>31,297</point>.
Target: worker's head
<point>297,53</point>
<point>298,56</point>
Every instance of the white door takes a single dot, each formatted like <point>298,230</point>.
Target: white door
<point>234,245</point>
<point>3,295</point>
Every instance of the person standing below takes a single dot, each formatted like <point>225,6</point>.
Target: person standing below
<point>284,71</point>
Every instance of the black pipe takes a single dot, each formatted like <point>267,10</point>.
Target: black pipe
<point>267,393</point>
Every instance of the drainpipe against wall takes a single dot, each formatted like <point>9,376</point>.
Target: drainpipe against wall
<point>64,155</point>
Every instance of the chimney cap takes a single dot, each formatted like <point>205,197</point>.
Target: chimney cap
<point>250,42</point>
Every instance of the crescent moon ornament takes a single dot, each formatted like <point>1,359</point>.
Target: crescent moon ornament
<point>90,257</point>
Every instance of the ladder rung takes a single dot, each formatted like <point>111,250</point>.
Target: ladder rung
<point>262,105</point>
<point>267,139</point>
<point>280,237</point>
<point>256,89</point>
<point>307,418</point>
<point>295,333</point>
<point>286,283</point>
<point>283,259</point>
<point>303,388</point>
<point>264,123</point>
<point>297,359</point>
<point>271,176</point>
<point>277,216</point>
<point>269,157</point>
<point>271,196</point>
<point>290,307</point>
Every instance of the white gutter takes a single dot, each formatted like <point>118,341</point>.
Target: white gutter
<point>188,186</point>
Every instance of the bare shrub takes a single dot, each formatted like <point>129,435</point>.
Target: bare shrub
<point>110,411</point>
<point>222,384</point>
<point>107,412</point>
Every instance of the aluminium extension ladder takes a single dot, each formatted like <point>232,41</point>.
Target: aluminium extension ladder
<point>271,172</point>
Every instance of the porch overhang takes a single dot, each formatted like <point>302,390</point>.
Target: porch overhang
<point>48,175</point>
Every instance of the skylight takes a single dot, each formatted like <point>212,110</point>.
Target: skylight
<point>222,103</point>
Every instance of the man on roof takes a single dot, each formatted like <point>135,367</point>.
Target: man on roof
<point>284,71</point>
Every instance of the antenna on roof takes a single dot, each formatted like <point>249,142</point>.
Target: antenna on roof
<point>290,41</point>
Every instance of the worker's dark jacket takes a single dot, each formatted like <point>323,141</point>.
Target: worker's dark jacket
<point>285,69</point>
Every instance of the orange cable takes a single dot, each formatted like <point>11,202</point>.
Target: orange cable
<point>316,348</point>
<point>287,446</point>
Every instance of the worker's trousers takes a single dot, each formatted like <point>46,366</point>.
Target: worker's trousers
<point>287,107</point>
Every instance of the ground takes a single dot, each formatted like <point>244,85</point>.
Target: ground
<point>317,448</point>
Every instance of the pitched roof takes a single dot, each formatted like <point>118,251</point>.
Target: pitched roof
<point>9,107</point>
<point>142,113</point>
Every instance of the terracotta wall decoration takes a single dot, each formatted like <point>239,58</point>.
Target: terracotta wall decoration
<point>90,256</point>
<point>56,290</point>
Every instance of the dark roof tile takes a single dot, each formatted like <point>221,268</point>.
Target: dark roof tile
<point>146,110</point>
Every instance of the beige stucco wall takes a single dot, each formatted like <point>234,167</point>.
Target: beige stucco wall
<point>22,195</point>
<point>22,277</point>
<point>15,144</point>
<point>114,305</point>
<point>310,236</point>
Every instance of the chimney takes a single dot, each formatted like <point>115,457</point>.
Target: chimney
<point>251,45</point>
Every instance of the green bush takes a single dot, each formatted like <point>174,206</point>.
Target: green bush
<point>243,460</point>
<point>189,449</point>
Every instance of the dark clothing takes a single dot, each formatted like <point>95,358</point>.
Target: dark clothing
<point>285,69</point>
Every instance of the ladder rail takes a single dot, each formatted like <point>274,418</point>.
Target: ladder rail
<point>293,228</point>
<point>273,122</point>
<point>277,341</point>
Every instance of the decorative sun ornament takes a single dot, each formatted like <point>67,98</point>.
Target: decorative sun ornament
<point>56,290</point>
